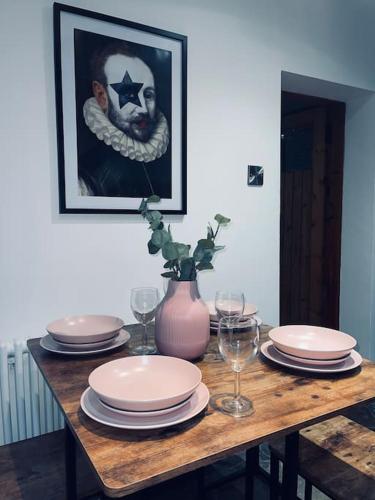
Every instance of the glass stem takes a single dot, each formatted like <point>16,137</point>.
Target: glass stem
<point>145,334</point>
<point>237,387</point>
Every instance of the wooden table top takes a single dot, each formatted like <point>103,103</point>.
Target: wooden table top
<point>127,461</point>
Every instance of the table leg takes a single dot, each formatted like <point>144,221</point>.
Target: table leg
<point>290,471</point>
<point>252,464</point>
<point>70,465</point>
<point>274,486</point>
<point>201,494</point>
<point>308,490</point>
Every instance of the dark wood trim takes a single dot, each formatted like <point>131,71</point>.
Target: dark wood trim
<point>324,242</point>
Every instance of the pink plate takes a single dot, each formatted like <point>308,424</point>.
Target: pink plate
<point>352,361</point>
<point>214,325</point>
<point>316,362</point>
<point>85,329</point>
<point>145,383</point>
<point>88,345</point>
<point>49,344</point>
<point>313,342</point>
<point>249,310</point>
<point>154,413</point>
<point>91,405</point>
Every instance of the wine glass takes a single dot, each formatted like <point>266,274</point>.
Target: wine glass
<point>238,344</point>
<point>229,304</point>
<point>143,302</point>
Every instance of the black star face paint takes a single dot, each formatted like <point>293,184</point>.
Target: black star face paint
<point>127,91</point>
<point>131,95</point>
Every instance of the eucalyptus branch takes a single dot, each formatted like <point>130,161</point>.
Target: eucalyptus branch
<point>217,230</point>
<point>180,264</point>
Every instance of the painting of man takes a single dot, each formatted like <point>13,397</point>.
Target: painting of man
<point>123,102</point>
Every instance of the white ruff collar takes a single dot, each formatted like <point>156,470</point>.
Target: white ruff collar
<point>105,131</point>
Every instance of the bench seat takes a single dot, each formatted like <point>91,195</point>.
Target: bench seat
<point>338,457</point>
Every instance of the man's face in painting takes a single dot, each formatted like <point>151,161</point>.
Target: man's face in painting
<point>130,101</point>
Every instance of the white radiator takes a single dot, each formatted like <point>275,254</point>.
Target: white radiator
<point>27,408</point>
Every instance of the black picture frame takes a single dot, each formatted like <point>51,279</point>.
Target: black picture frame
<point>138,165</point>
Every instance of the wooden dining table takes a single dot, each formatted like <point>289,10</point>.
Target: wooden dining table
<point>126,461</point>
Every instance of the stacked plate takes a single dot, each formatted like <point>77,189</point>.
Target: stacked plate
<point>89,334</point>
<point>249,310</point>
<point>312,349</point>
<point>144,392</point>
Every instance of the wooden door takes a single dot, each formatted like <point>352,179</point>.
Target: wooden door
<point>310,223</point>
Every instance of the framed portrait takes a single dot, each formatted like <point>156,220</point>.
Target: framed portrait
<point>121,113</point>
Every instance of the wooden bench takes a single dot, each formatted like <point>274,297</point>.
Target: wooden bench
<point>35,469</point>
<point>337,456</point>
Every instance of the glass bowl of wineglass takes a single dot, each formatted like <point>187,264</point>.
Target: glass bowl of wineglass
<point>229,304</point>
<point>238,344</point>
<point>144,302</point>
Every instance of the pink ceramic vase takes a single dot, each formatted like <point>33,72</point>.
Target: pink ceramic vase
<point>182,321</point>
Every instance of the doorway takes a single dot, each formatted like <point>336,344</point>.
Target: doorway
<point>312,160</point>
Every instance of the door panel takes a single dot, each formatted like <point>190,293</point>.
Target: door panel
<point>302,217</point>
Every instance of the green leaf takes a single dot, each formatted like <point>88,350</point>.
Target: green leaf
<point>155,224</point>
<point>160,237</point>
<point>188,272</point>
<point>152,249</point>
<point>169,251</point>
<point>206,243</point>
<point>207,256</point>
<point>175,251</point>
<point>221,220</point>
<point>202,246</point>
<point>218,248</point>
<point>156,215</point>
<point>154,198</point>
<point>198,253</point>
<point>204,265</point>
<point>169,274</point>
<point>169,264</point>
<point>153,215</point>
<point>182,250</point>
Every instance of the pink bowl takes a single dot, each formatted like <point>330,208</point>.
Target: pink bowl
<point>249,310</point>
<point>313,342</point>
<point>145,383</point>
<point>84,329</point>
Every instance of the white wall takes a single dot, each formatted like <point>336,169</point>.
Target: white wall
<point>358,259</point>
<point>54,264</point>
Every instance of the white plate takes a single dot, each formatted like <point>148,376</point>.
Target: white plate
<point>90,345</point>
<point>353,361</point>
<point>249,310</point>
<point>151,413</point>
<point>90,404</point>
<point>318,362</point>
<point>215,324</point>
<point>51,345</point>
